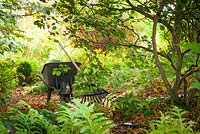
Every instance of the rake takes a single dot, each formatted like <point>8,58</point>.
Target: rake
<point>95,96</point>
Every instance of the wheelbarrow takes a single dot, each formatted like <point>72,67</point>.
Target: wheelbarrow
<point>66,80</point>
<point>62,83</point>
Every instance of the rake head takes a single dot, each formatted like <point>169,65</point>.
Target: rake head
<point>96,96</point>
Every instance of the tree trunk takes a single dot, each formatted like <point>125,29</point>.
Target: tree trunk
<point>173,91</point>
<point>175,42</point>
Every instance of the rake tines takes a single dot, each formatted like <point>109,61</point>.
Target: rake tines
<point>96,96</point>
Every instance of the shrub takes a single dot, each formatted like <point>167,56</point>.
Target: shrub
<point>24,68</point>
<point>7,79</point>
<point>24,71</point>
<point>39,87</point>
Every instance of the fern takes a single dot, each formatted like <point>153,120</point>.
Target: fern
<point>32,123</point>
<point>80,118</point>
<point>68,120</point>
<point>110,104</point>
<point>75,118</point>
<point>3,130</point>
<point>173,123</point>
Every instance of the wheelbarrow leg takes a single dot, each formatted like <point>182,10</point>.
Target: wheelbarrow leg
<point>49,94</point>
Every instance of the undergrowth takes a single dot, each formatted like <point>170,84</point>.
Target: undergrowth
<point>73,118</point>
<point>172,123</point>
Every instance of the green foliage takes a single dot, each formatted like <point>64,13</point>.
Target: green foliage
<point>130,104</point>
<point>39,87</point>
<point>61,70</point>
<point>24,71</point>
<point>24,68</point>
<point>109,105</point>
<point>74,118</point>
<point>3,130</point>
<point>147,105</point>
<point>7,79</point>
<point>101,25</point>
<point>172,123</point>
<point>193,46</point>
<point>80,118</point>
<point>196,84</point>
<point>110,24</point>
<point>49,115</point>
<point>8,28</point>
<point>127,70</point>
<point>36,69</point>
<point>32,122</point>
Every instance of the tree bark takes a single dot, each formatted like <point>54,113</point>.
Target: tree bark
<point>171,90</point>
<point>155,54</point>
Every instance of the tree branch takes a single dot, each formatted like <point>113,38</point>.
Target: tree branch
<point>191,70</point>
<point>141,11</point>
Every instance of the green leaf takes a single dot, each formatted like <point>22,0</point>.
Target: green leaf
<point>162,27</point>
<point>196,85</point>
<point>3,130</point>
<point>48,12</point>
<point>54,28</point>
<point>193,46</point>
<point>85,129</point>
<point>165,13</point>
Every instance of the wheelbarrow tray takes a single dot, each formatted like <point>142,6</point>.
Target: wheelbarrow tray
<point>52,80</point>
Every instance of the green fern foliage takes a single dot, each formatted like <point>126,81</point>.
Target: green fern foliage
<point>3,130</point>
<point>71,118</point>
<point>32,123</point>
<point>79,118</point>
<point>109,105</point>
<point>173,123</point>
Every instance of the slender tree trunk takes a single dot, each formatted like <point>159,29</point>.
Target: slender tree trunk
<point>177,83</point>
<point>155,54</point>
<point>175,42</point>
<point>173,91</point>
<point>154,45</point>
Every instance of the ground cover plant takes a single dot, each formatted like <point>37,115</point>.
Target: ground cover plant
<point>71,118</point>
<point>172,123</point>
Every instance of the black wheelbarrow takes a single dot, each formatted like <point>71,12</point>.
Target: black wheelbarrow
<point>62,83</point>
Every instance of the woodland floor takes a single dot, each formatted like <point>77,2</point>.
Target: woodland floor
<point>38,101</point>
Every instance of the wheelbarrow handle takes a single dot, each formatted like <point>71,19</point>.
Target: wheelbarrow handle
<point>52,87</point>
<point>42,80</point>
